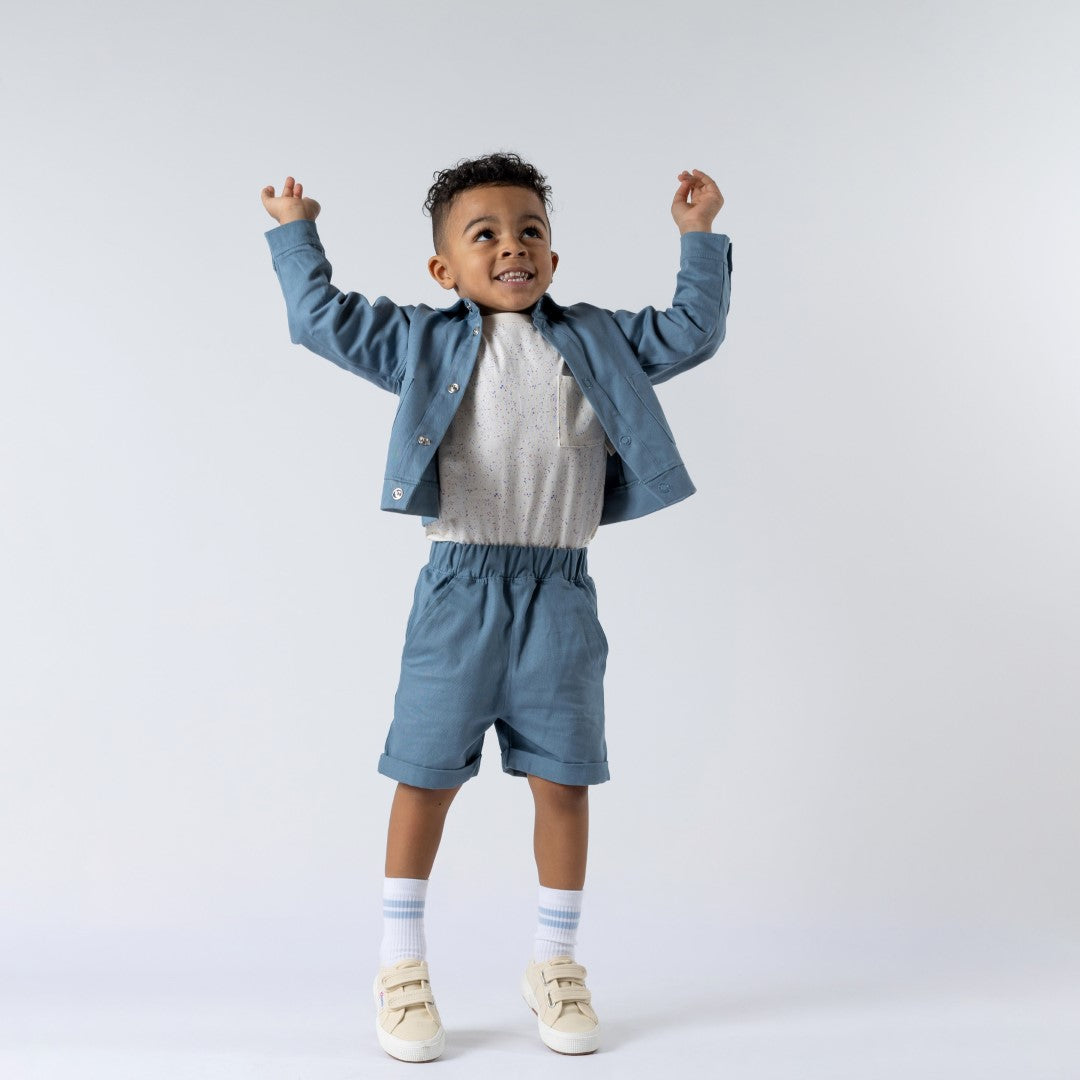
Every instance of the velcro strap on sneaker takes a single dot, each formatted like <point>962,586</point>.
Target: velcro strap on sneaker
<point>408,975</point>
<point>568,993</point>
<point>564,971</point>
<point>414,995</point>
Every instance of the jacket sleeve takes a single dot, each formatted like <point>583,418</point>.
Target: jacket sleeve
<point>691,330</point>
<point>368,338</point>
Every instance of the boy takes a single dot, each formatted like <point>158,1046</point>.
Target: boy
<point>522,425</point>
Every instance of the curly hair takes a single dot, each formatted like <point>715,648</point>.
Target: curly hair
<point>504,169</point>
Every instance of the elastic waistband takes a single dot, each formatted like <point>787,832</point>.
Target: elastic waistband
<point>508,560</point>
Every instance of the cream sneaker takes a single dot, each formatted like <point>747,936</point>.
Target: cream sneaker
<point>555,990</point>
<point>408,1023</point>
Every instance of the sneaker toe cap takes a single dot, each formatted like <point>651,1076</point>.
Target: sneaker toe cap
<point>414,1026</point>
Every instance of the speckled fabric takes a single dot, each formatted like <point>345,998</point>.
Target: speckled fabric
<point>524,459</point>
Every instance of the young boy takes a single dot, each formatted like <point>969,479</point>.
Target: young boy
<point>522,425</point>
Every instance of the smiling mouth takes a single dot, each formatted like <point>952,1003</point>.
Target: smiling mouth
<point>514,277</point>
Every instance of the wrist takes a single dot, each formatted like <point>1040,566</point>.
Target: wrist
<point>286,217</point>
<point>692,228</point>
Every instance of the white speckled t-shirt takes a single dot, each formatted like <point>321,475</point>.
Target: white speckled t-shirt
<point>524,459</point>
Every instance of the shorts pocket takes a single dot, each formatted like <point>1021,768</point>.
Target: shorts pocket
<point>579,426</point>
<point>432,591</point>
<point>588,588</point>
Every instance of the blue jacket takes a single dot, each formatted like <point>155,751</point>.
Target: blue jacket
<point>426,355</point>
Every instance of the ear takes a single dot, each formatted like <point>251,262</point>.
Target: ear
<point>554,261</point>
<point>440,270</point>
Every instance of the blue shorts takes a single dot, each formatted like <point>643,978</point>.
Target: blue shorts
<point>503,635</point>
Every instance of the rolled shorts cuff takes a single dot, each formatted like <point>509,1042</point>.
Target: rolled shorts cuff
<point>522,763</point>
<point>421,776</point>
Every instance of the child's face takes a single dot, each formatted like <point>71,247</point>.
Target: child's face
<point>490,231</point>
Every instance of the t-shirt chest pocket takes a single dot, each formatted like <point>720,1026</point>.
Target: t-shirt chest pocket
<point>579,426</point>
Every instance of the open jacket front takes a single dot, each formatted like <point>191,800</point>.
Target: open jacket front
<point>426,356</point>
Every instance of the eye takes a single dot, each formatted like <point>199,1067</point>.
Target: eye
<point>535,231</point>
<point>482,233</point>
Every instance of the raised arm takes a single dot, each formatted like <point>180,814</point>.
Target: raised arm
<point>368,338</point>
<point>674,340</point>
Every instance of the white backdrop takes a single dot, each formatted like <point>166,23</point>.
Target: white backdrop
<point>843,688</point>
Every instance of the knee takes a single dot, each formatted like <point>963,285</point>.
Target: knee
<point>433,797</point>
<point>566,798</point>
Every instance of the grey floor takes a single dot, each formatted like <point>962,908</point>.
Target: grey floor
<point>871,1012</point>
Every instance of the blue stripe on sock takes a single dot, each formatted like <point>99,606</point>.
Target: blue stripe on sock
<point>415,905</point>
<point>560,925</point>
<point>560,913</point>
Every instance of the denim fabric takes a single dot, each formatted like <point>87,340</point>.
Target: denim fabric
<point>426,356</point>
<point>503,635</point>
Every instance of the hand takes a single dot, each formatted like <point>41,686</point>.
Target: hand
<point>696,203</point>
<point>290,205</point>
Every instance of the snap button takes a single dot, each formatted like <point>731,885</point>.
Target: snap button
<point>424,440</point>
<point>586,383</point>
<point>476,330</point>
<point>665,487</point>
<point>625,440</point>
<point>396,493</point>
<point>453,388</point>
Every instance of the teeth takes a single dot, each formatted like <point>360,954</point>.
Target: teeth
<point>514,275</point>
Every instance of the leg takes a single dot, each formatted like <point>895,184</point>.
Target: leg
<point>560,833</point>
<point>561,839</point>
<point>417,817</point>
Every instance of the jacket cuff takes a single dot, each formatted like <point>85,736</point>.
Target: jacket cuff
<point>292,234</point>
<point>702,245</point>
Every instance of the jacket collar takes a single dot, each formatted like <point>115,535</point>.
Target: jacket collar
<point>544,310</point>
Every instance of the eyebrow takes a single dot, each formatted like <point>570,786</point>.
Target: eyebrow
<point>491,217</point>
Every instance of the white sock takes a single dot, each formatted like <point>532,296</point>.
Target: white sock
<point>403,920</point>
<point>558,912</point>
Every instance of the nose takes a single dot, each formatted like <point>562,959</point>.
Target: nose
<point>512,247</point>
